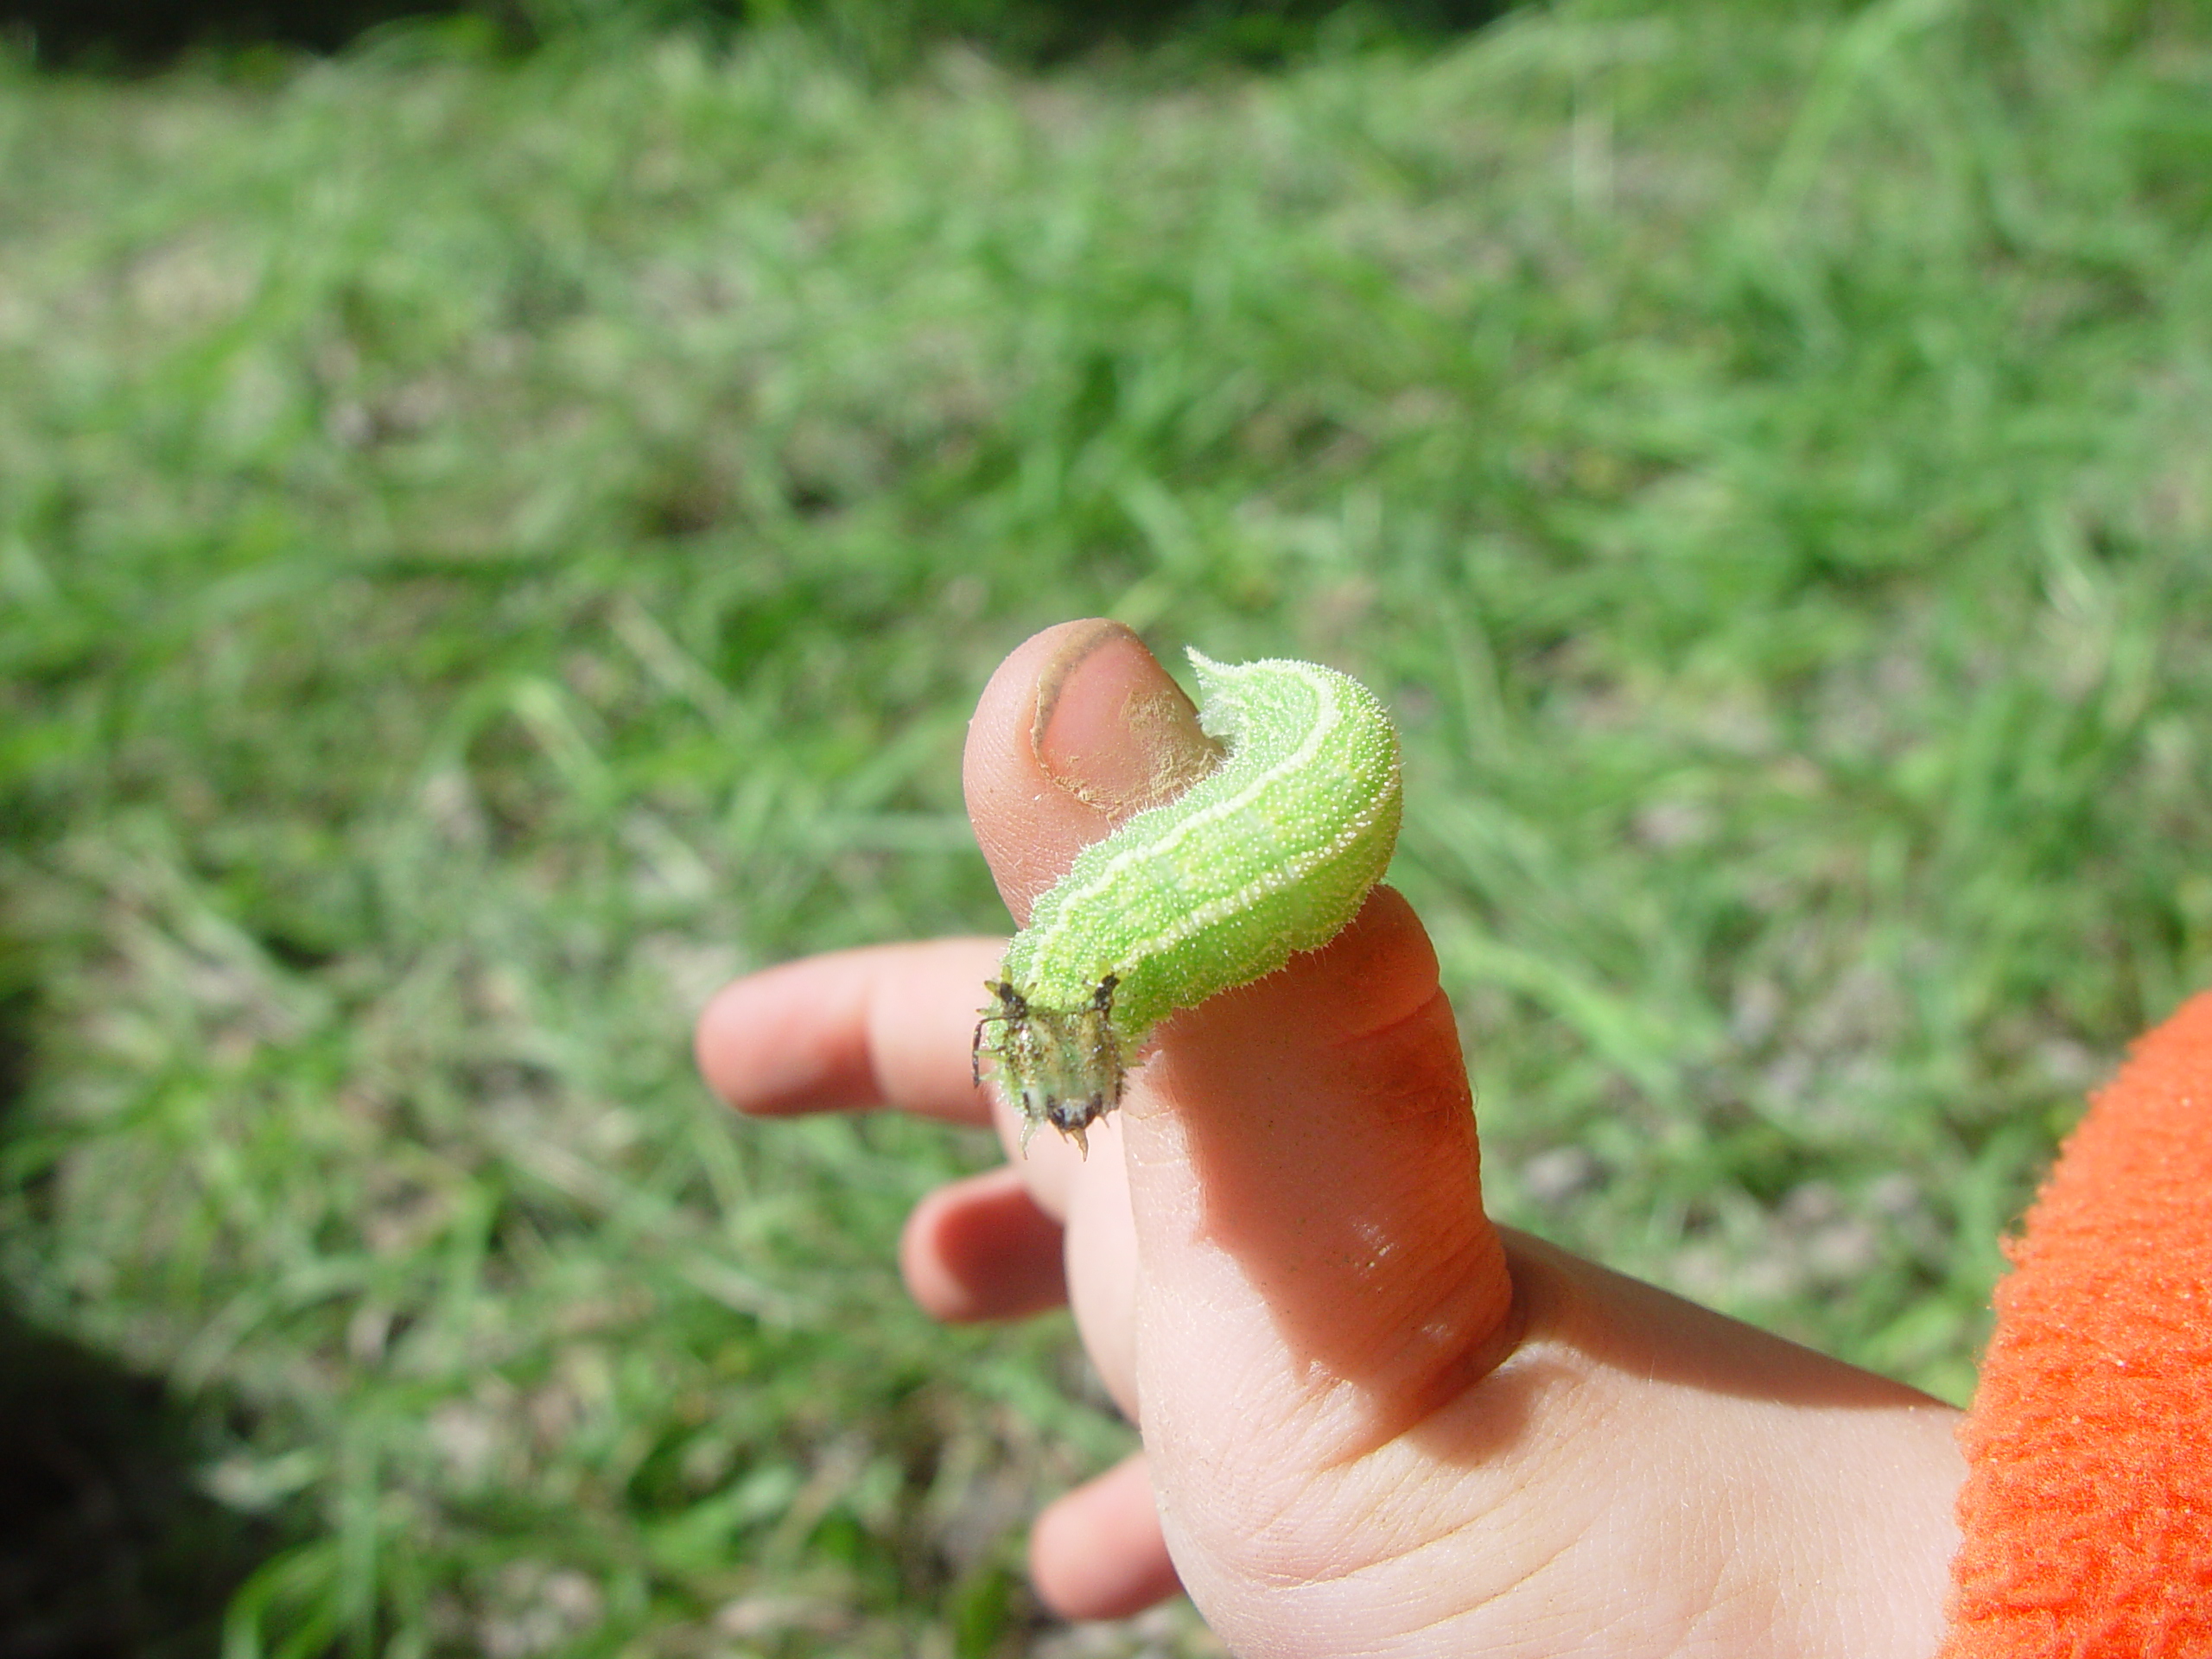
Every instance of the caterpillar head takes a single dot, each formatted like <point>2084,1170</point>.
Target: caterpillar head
<point>1061,1066</point>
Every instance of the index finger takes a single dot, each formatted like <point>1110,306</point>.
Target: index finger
<point>882,1026</point>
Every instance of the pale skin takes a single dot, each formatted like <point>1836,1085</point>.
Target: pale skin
<point>1373,1423</point>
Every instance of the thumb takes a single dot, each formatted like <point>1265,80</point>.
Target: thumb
<point>1304,1182</point>
<point>1312,1260</point>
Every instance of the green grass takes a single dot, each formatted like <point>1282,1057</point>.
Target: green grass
<point>488,549</point>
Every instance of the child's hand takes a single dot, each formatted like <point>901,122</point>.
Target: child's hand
<point>1372,1423</point>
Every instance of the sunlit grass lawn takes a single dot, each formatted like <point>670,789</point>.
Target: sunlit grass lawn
<point>488,550</point>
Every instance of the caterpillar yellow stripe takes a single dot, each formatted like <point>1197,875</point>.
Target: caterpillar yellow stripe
<point>1269,855</point>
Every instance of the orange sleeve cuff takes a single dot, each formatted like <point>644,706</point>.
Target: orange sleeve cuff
<point>2088,1506</point>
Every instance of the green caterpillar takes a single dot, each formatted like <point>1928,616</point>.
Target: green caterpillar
<point>1271,853</point>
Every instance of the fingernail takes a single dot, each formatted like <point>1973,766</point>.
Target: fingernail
<point>1112,729</point>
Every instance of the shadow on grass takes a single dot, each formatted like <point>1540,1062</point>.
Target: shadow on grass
<point>107,1547</point>
<point>139,35</point>
<point>142,35</point>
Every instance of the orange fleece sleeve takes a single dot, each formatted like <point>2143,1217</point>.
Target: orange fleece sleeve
<point>2088,1506</point>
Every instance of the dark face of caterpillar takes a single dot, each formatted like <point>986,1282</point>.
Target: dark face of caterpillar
<point>1069,1116</point>
<point>1051,1059</point>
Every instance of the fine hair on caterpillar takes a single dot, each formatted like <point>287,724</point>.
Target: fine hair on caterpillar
<point>1269,855</point>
